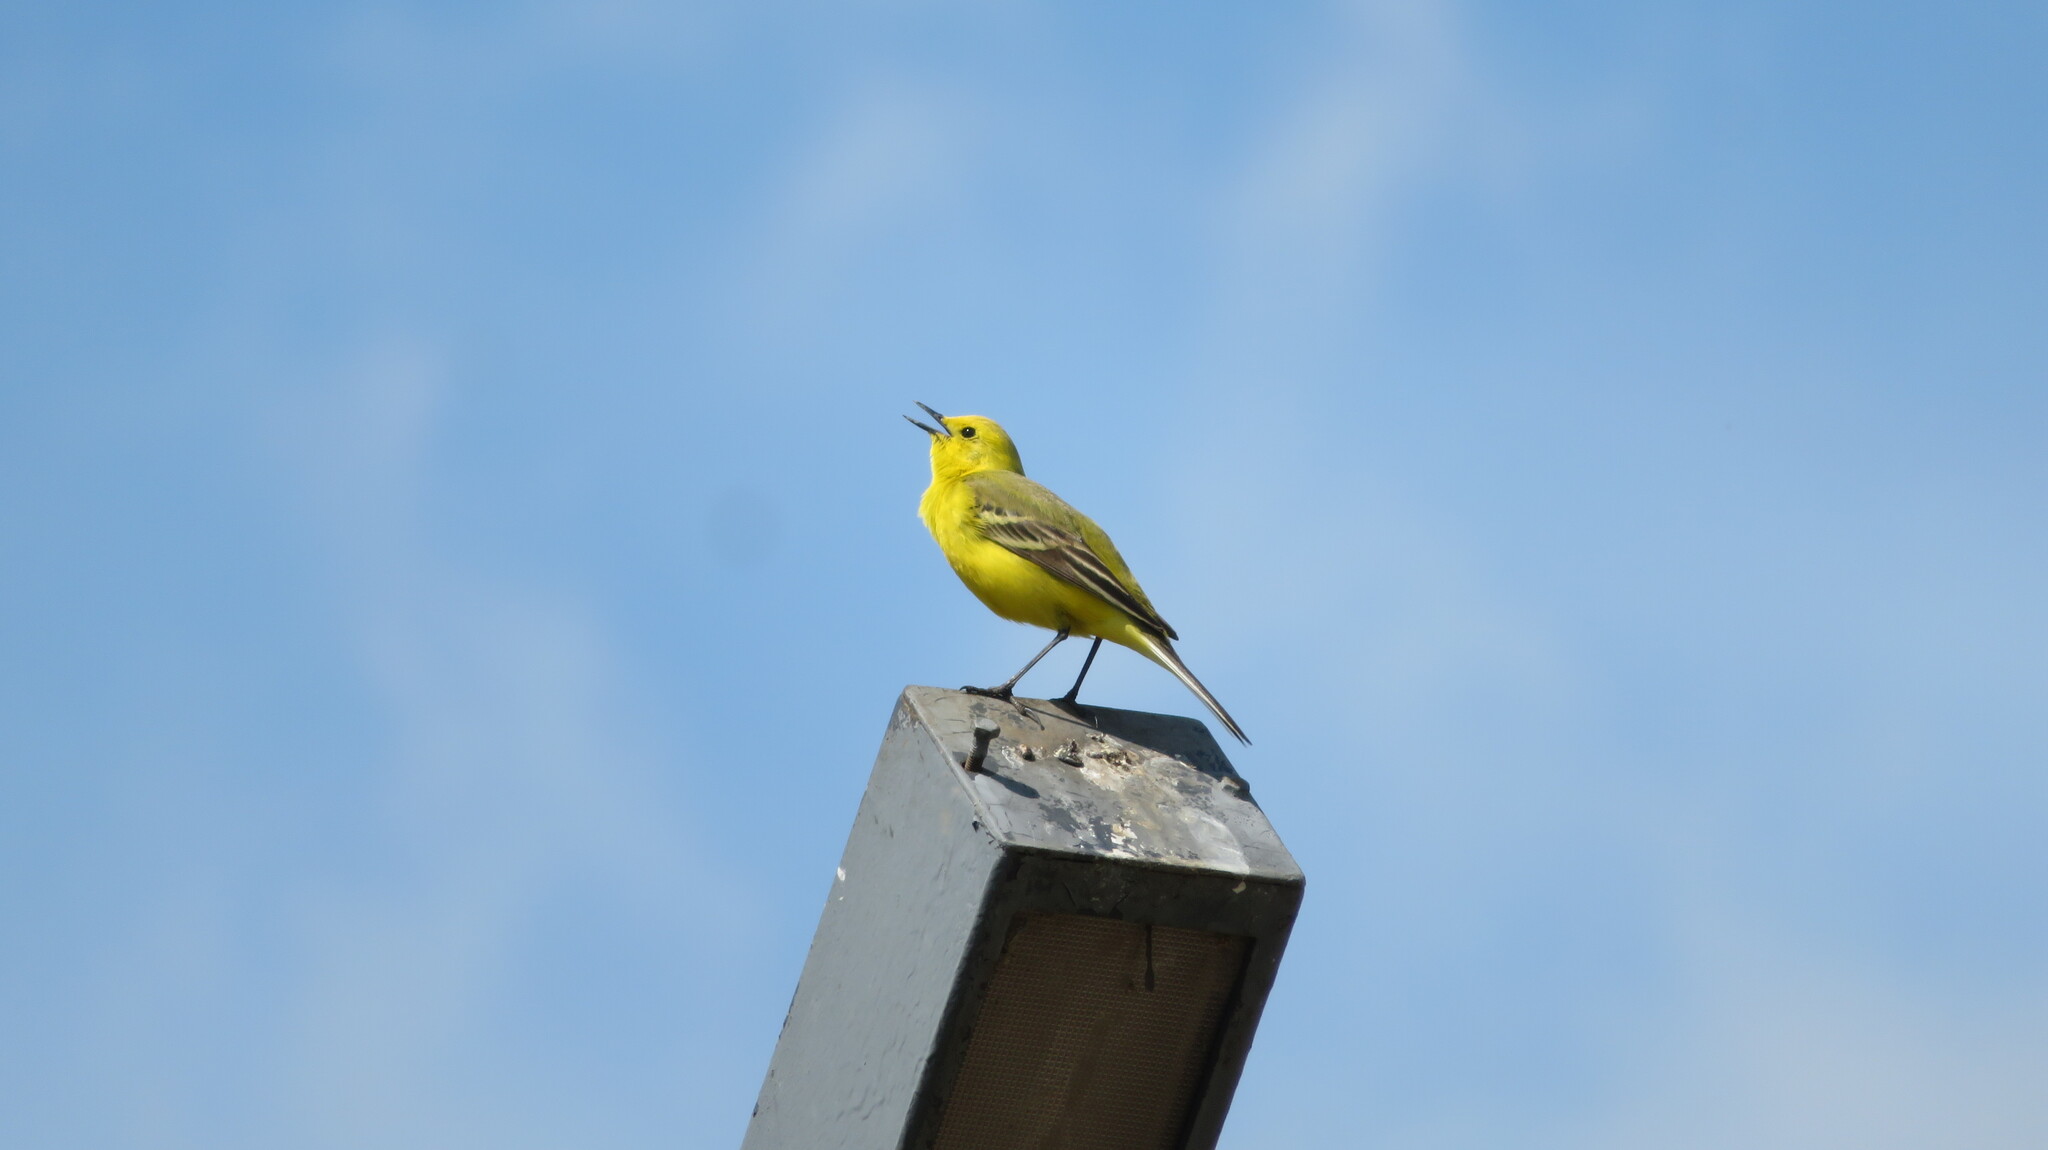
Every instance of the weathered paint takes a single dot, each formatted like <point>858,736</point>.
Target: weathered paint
<point>1132,816</point>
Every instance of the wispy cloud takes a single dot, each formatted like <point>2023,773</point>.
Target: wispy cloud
<point>1777,1040</point>
<point>515,776</point>
<point>887,157</point>
<point>1379,109</point>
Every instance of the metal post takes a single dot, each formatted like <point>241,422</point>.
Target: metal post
<point>1044,933</point>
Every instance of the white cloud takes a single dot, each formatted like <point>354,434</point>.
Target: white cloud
<point>516,774</point>
<point>1380,108</point>
<point>886,158</point>
<point>1780,1042</point>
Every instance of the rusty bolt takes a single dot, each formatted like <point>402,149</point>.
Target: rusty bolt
<point>985,730</point>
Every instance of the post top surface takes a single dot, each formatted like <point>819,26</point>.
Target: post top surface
<point>1132,785</point>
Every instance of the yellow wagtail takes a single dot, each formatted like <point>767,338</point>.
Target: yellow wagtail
<point>1031,558</point>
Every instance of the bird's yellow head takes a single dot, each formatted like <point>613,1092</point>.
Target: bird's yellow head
<point>965,444</point>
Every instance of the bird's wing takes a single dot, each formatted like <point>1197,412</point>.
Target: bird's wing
<point>1031,521</point>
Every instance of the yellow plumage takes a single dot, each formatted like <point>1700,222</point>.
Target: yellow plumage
<point>1030,557</point>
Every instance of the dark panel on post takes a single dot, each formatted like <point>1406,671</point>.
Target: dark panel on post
<point>1042,933</point>
<point>1093,1033</point>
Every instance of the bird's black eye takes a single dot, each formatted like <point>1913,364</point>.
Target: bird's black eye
<point>967,433</point>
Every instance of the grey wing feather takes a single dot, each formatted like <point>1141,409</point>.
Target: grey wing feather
<point>1059,550</point>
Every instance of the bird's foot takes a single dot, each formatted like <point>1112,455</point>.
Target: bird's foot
<point>1002,692</point>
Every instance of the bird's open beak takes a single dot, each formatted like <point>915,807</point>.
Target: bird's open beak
<point>941,430</point>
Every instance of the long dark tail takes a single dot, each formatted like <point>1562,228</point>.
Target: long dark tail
<point>1162,653</point>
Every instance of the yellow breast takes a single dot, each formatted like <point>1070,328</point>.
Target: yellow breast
<point>1007,583</point>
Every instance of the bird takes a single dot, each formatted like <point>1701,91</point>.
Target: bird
<point>1030,557</point>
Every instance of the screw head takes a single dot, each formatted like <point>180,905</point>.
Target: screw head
<point>985,731</point>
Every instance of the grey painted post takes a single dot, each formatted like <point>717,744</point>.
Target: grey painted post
<point>1062,941</point>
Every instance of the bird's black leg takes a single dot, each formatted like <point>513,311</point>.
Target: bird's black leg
<point>1071,698</point>
<point>1003,692</point>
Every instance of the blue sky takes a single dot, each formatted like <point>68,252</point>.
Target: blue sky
<point>457,541</point>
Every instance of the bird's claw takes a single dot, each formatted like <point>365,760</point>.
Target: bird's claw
<point>1002,693</point>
